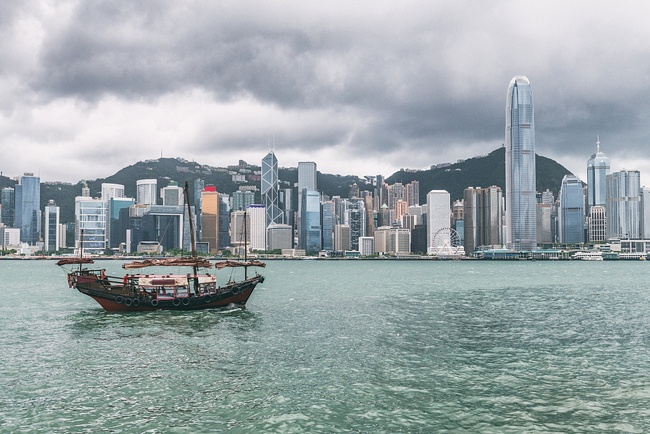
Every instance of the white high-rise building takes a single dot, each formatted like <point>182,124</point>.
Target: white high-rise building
<point>257,237</point>
<point>146,191</point>
<point>112,191</point>
<point>521,213</point>
<point>438,215</point>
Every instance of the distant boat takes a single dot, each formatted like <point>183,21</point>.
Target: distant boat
<point>142,292</point>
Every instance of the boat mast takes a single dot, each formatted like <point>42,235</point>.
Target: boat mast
<point>189,214</point>
<point>245,247</point>
<point>81,248</point>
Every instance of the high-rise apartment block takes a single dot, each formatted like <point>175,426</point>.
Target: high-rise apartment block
<point>520,166</point>
<point>413,193</point>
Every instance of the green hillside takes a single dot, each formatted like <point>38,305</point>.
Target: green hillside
<point>480,172</point>
<point>474,172</point>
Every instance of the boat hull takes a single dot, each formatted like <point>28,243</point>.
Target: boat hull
<point>118,298</point>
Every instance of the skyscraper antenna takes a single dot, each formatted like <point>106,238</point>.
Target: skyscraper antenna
<point>598,143</point>
<point>268,142</point>
<point>273,143</point>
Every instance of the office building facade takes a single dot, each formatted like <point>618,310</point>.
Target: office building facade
<point>572,213</point>
<point>310,232</point>
<point>8,201</point>
<point>269,184</point>
<point>51,226</point>
<point>438,215</point>
<point>598,167</point>
<point>27,211</point>
<point>623,205</point>
<point>147,190</point>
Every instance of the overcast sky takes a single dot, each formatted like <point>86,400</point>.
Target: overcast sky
<point>88,87</point>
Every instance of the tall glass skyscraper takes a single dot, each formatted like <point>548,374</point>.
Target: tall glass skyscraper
<point>597,171</point>
<point>521,233</point>
<point>8,207</point>
<point>270,189</point>
<point>28,208</point>
<point>311,222</point>
<point>572,212</point>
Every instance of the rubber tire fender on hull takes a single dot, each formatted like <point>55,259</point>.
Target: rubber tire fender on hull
<point>119,299</point>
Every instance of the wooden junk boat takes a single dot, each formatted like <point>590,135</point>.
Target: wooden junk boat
<point>142,292</point>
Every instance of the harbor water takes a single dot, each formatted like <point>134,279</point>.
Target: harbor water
<point>338,346</point>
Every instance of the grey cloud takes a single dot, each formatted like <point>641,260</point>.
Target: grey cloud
<point>416,75</point>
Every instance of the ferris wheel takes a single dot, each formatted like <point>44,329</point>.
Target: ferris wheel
<point>446,241</point>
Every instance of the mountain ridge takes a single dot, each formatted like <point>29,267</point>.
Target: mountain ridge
<point>481,171</point>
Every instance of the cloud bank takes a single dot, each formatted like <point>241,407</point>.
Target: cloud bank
<point>363,88</point>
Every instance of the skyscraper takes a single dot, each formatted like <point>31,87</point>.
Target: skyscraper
<point>8,207</point>
<point>146,191</point>
<point>483,222</point>
<point>110,191</point>
<point>307,179</point>
<point>413,193</point>
<point>310,237</point>
<point>52,240</point>
<point>572,213</point>
<point>520,166</point>
<point>597,171</point>
<point>28,204</point>
<point>307,176</point>
<point>210,202</point>
<point>328,219</point>
<point>172,195</point>
<point>439,215</point>
<point>270,189</point>
<point>623,205</point>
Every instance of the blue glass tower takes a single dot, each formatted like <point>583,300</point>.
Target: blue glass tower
<point>311,224</point>
<point>597,171</point>
<point>572,212</point>
<point>8,207</point>
<point>28,208</point>
<point>521,221</point>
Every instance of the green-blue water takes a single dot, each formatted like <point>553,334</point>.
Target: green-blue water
<point>328,346</point>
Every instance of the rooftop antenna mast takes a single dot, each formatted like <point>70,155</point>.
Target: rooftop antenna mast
<point>598,143</point>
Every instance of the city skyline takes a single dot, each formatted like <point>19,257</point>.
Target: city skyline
<point>359,88</point>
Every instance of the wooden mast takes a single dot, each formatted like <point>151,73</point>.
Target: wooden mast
<point>81,249</point>
<point>189,214</point>
<point>245,247</point>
